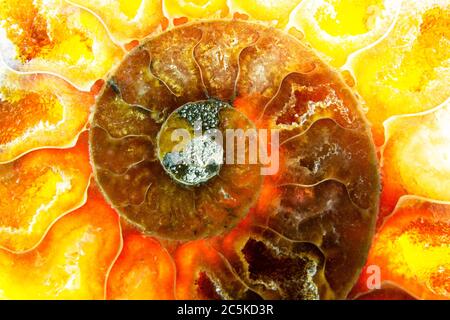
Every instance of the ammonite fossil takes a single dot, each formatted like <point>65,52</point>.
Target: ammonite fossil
<point>302,232</point>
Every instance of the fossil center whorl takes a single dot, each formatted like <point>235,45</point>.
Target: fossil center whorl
<point>188,147</point>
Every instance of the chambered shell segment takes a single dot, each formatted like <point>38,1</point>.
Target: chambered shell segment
<point>301,233</point>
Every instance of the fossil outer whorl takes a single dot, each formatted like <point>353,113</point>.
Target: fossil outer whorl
<point>302,233</point>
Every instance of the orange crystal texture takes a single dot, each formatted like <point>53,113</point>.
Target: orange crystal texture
<point>61,239</point>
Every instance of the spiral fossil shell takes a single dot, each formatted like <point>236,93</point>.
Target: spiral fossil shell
<point>302,233</point>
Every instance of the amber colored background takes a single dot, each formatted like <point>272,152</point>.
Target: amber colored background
<point>58,237</point>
